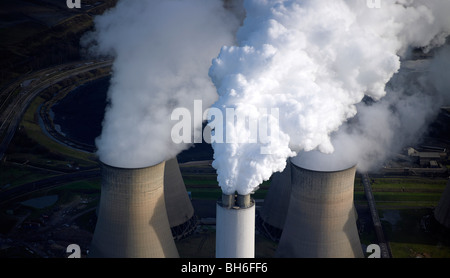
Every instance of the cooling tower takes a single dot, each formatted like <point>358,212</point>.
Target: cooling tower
<point>132,219</point>
<point>272,215</point>
<point>321,219</point>
<point>179,207</point>
<point>235,227</point>
<point>442,211</point>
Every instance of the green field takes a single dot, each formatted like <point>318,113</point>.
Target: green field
<point>409,183</point>
<point>403,192</point>
<point>415,233</point>
<point>15,174</point>
<point>405,207</point>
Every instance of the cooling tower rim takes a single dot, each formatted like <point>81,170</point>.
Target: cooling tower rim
<point>325,171</point>
<point>129,168</point>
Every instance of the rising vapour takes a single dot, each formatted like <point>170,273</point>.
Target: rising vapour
<point>381,129</point>
<point>162,50</point>
<point>316,61</point>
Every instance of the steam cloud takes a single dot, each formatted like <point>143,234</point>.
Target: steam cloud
<point>414,97</point>
<point>316,61</point>
<point>162,50</point>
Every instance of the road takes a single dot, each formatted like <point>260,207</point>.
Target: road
<point>384,247</point>
<point>17,96</point>
<point>18,191</point>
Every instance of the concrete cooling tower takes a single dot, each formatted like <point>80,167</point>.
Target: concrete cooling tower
<point>321,220</point>
<point>442,211</point>
<point>132,219</point>
<point>272,215</point>
<point>235,227</point>
<point>179,207</point>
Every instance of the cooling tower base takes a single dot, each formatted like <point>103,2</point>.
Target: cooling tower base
<point>178,204</point>
<point>442,211</point>
<point>269,231</point>
<point>321,219</point>
<point>270,219</point>
<point>132,218</point>
<point>186,229</point>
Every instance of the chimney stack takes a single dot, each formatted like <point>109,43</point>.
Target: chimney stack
<point>235,227</point>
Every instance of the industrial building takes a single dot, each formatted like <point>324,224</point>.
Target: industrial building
<point>321,218</point>
<point>313,212</point>
<point>428,158</point>
<point>132,218</point>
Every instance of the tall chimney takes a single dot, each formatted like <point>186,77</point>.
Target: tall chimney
<point>132,219</point>
<point>442,211</point>
<point>321,219</point>
<point>235,227</point>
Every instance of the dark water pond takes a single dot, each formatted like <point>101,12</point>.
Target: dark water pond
<point>80,115</point>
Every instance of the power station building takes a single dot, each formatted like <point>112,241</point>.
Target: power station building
<point>313,209</point>
<point>321,218</point>
<point>132,218</point>
<point>442,211</point>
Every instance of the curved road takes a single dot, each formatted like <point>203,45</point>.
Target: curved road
<point>18,95</point>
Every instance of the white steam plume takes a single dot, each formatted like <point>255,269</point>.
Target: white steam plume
<point>162,50</point>
<point>381,129</point>
<point>316,61</point>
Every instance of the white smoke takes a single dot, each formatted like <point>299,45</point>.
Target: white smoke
<point>316,61</point>
<point>380,129</point>
<point>162,50</point>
